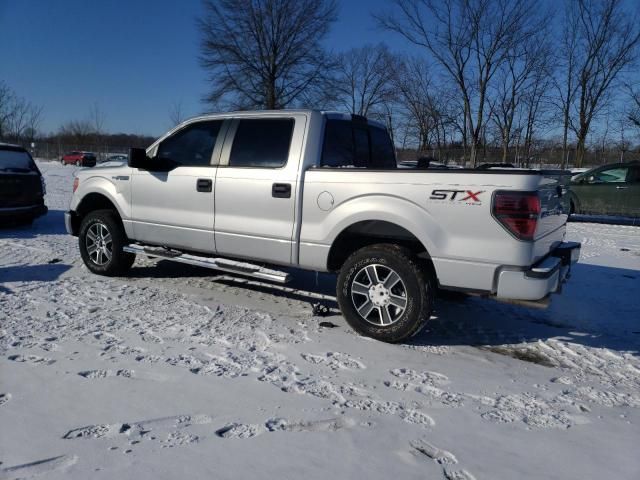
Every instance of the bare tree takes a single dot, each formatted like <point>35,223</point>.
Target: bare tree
<point>633,114</point>
<point>19,118</point>
<point>608,39</point>
<point>97,118</point>
<point>469,39</point>
<point>264,53</point>
<point>426,110</point>
<point>176,114</point>
<point>77,130</point>
<point>7,101</point>
<point>565,81</point>
<point>364,78</point>
<point>521,72</point>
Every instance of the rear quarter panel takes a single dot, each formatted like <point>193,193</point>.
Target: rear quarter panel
<point>456,227</point>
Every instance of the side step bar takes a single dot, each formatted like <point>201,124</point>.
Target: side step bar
<point>223,264</point>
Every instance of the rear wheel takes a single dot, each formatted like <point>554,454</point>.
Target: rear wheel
<point>384,292</point>
<point>101,241</point>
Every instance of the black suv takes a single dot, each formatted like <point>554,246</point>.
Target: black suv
<point>21,186</point>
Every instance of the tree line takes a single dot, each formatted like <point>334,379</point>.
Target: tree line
<point>508,74</point>
<point>515,78</point>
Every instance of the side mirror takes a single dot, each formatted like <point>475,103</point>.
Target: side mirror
<point>138,158</point>
<point>591,179</point>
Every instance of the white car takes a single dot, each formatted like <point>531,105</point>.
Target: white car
<point>249,192</point>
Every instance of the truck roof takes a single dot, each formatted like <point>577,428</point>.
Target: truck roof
<point>335,115</point>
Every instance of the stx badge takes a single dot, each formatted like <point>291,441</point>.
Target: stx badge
<point>467,196</point>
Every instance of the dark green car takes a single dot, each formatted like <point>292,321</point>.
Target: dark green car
<point>612,189</point>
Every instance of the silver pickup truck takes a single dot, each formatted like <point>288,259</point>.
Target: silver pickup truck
<point>251,192</point>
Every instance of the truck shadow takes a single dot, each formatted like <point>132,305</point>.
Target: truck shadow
<point>599,307</point>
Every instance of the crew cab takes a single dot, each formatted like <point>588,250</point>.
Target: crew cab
<point>252,192</point>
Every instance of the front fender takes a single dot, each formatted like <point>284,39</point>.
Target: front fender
<point>107,188</point>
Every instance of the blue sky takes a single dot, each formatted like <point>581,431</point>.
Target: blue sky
<point>133,57</point>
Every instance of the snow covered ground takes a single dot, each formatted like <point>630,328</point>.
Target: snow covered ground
<point>174,372</point>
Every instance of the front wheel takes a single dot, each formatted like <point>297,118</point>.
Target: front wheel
<point>101,240</point>
<point>385,293</point>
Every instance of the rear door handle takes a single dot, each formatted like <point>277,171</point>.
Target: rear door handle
<point>281,190</point>
<point>621,188</point>
<point>204,185</point>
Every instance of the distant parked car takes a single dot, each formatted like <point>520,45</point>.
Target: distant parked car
<point>79,159</point>
<point>22,187</point>
<point>612,189</point>
<point>489,166</point>
<point>117,157</point>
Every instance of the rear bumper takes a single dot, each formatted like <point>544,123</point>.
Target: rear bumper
<point>32,211</point>
<point>541,279</point>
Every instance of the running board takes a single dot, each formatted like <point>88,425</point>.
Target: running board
<point>223,264</point>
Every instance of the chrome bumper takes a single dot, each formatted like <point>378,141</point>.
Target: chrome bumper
<point>541,279</point>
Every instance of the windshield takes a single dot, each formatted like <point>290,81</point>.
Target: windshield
<point>16,161</point>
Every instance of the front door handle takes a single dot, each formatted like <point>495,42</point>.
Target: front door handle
<point>621,188</point>
<point>204,185</point>
<point>281,190</point>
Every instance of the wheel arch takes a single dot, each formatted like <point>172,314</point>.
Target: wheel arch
<point>370,232</point>
<point>91,202</point>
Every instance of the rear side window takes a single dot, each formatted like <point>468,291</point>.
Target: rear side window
<point>16,161</point>
<point>338,144</point>
<point>261,143</point>
<point>193,145</point>
<point>382,151</point>
<point>612,175</point>
<point>349,144</point>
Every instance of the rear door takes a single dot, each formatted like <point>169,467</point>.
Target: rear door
<point>604,191</point>
<point>176,208</point>
<point>256,190</point>
<point>632,198</point>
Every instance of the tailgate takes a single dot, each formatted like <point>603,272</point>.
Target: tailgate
<point>19,189</point>
<point>554,211</point>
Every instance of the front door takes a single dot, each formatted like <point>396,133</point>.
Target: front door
<point>256,188</point>
<point>176,208</point>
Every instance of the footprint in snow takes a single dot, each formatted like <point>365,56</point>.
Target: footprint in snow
<point>329,425</point>
<point>239,430</point>
<point>93,374</point>
<point>4,398</point>
<point>36,360</point>
<point>450,474</point>
<point>39,467</point>
<point>438,455</point>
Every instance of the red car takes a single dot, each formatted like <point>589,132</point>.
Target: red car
<point>80,159</point>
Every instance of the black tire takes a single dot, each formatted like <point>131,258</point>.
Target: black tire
<point>99,221</point>
<point>417,289</point>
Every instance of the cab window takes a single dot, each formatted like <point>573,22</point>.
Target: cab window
<point>192,146</point>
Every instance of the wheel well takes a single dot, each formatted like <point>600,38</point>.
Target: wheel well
<point>370,232</point>
<point>91,202</point>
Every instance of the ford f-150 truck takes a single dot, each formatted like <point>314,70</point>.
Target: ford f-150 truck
<point>249,192</point>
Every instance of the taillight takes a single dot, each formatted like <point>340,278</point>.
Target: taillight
<point>76,182</point>
<point>518,212</point>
